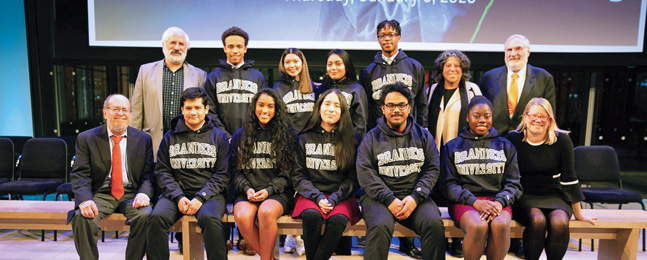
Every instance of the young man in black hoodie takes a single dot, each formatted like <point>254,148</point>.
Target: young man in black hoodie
<point>233,84</point>
<point>397,165</point>
<point>192,171</point>
<point>391,65</point>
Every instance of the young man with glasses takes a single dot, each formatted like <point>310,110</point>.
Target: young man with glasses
<point>391,65</point>
<point>397,164</point>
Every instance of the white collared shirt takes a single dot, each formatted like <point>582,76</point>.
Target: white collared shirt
<point>390,60</point>
<point>521,80</point>
<point>124,159</point>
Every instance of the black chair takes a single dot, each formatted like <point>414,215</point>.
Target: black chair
<point>599,163</point>
<point>42,167</point>
<point>7,160</point>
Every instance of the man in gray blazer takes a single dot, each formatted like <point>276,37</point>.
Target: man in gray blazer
<point>530,82</point>
<point>160,84</point>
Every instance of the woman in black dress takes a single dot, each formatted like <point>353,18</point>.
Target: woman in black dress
<point>551,190</point>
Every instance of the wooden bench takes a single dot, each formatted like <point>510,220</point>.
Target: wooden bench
<point>618,230</point>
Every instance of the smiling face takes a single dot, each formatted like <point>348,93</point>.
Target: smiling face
<point>452,71</point>
<point>264,110</point>
<point>117,114</point>
<point>293,65</point>
<point>388,38</point>
<point>479,119</point>
<point>396,117</point>
<point>516,54</point>
<point>537,120</point>
<point>194,112</point>
<point>330,111</point>
<point>235,49</point>
<point>174,49</point>
<point>335,67</point>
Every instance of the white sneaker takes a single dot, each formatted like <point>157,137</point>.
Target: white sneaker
<point>301,250</point>
<point>289,246</point>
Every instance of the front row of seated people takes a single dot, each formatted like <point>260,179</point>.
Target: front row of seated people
<point>397,164</point>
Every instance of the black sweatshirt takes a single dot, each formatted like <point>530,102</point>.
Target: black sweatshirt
<point>402,69</point>
<point>480,166</point>
<point>230,92</point>
<point>192,163</point>
<point>355,98</point>
<point>260,173</point>
<point>394,165</point>
<point>299,105</point>
<point>316,172</point>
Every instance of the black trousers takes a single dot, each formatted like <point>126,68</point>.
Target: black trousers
<point>320,246</point>
<point>425,221</point>
<point>209,216</point>
<point>85,230</point>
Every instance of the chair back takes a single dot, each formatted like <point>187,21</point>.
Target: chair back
<point>44,158</point>
<point>597,163</point>
<point>7,159</point>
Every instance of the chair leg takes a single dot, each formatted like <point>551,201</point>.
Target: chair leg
<point>42,235</point>
<point>116,234</point>
<point>103,236</point>
<point>55,231</point>
<point>172,233</point>
<point>579,247</point>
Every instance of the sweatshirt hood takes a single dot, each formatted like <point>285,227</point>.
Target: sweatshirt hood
<point>401,56</point>
<point>384,127</point>
<point>465,133</point>
<point>179,126</point>
<point>248,64</point>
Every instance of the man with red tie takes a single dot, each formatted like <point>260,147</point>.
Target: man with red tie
<point>112,173</point>
<point>510,87</point>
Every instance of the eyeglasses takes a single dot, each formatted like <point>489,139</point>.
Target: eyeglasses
<point>401,106</point>
<point>392,35</point>
<point>534,117</point>
<point>117,109</point>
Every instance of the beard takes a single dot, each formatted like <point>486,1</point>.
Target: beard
<point>172,58</point>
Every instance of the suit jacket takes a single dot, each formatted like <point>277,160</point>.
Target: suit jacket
<point>147,97</point>
<point>539,83</point>
<point>93,162</point>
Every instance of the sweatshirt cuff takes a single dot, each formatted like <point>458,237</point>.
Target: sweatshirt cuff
<point>389,200</point>
<point>415,197</point>
<point>333,199</point>
<point>471,200</point>
<point>502,201</point>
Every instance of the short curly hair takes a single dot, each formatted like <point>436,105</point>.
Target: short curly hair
<point>235,31</point>
<point>442,59</point>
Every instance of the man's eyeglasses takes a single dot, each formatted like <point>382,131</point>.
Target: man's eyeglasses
<point>383,36</point>
<point>534,117</point>
<point>117,109</point>
<point>401,106</point>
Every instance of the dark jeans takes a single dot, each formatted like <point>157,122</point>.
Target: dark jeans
<point>85,230</point>
<point>209,216</point>
<point>425,221</point>
<point>321,246</point>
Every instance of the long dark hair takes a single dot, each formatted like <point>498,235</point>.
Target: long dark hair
<point>283,136</point>
<point>351,75</point>
<point>345,139</point>
<point>305,83</point>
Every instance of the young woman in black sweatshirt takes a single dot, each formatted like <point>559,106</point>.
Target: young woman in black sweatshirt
<point>480,177</point>
<point>324,175</point>
<point>262,154</point>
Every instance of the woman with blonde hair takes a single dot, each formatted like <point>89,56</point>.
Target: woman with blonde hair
<point>551,190</point>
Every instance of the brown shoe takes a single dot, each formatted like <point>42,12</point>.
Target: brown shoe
<point>244,247</point>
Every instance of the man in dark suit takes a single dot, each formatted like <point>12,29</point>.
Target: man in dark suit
<point>510,87</point>
<point>112,173</point>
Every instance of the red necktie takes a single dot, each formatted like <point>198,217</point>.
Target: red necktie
<point>117,181</point>
<point>513,94</point>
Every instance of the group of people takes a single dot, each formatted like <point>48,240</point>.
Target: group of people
<point>188,143</point>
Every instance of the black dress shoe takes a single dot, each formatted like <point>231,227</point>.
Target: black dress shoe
<point>519,252</point>
<point>411,251</point>
<point>456,247</point>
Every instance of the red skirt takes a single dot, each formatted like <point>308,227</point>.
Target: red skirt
<point>456,211</point>
<point>348,208</point>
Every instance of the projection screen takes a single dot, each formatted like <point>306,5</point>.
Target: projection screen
<point>434,25</point>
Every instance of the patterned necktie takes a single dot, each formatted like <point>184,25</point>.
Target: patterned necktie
<point>513,94</point>
<point>117,181</point>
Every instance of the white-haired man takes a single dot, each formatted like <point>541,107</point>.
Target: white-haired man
<point>160,84</point>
